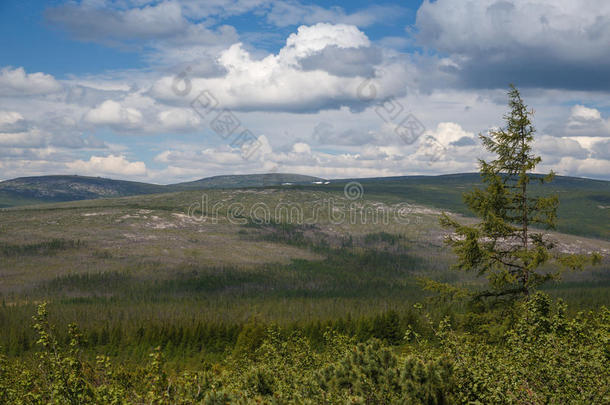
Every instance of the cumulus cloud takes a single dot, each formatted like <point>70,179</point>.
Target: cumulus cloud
<point>113,113</point>
<point>601,150</point>
<point>287,13</point>
<point>451,133</point>
<point>108,165</point>
<point>301,147</point>
<point>188,31</point>
<point>590,167</point>
<point>36,138</point>
<point>554,149</point>
<point>582,122</point>
<point>364,160</point>
<point>178,118</point>
<point>16,82</point>
<point>18,133</point>
<point>582,113</point>
<point>24,139</point>
<point>279,82</point>
<point>11,121</point>
<point>547,43</point>
<point>307,96</point>
<point>309,40</point>
<point>165,30</point>
<point>344,62</point>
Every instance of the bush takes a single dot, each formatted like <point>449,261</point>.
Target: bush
<point>542,357</point>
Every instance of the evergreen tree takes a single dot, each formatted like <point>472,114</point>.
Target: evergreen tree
<point>504,247</point>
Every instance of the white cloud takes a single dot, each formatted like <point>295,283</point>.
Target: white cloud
<point>178,118</point>
<point>364,160</point>
<point>311,39</point>
<point>352,134</point>
<point>11,121</point>
<point>448,133</point>
<point>582,122</point>
<point>16,82</point>
<point>285,13</point>
<point>601,150</point>
<point>554,149</point>
<point>161,29</point>
<point>23,139</point>
<point>582,113</point>
<point>113,113</point>
<point>304,97</point>
<point>590,167</point>
<point>301,147</point>
<point>279,82</point>
<point>89,22</point>
<point>10,117</point>
<point>16,133</point>
<point>109,165</point>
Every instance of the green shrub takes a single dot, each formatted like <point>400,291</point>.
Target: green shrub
<point>543,357</point>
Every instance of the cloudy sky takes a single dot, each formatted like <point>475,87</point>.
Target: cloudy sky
<point>169,91</point>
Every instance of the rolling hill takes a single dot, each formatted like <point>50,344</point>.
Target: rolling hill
<point>46,189</point>
<point>584,203</point>
<point>43,189</point>
<point>246,180</point>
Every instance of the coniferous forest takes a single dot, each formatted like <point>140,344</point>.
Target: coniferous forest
<point>494,313</point>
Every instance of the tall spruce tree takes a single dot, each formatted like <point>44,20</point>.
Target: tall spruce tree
<point>509,246</point>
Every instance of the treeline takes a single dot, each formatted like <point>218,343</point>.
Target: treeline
<point>206,339</point>
<point>541,356</point>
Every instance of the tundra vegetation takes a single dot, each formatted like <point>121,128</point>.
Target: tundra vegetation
<point>130,300</point>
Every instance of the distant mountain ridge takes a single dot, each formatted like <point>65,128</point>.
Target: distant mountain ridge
<point>59,188</point>
<point>584,204</point>
<point>584,207</point>
<point>247,180</point>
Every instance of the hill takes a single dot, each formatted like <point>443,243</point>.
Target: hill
<point>189,274</point>
<point>584,204</point>
<point>247,180</point>
<point>43,189</point>
<point>46,189</point>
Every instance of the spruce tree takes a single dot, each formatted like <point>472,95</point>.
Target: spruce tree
<point>509,246</point>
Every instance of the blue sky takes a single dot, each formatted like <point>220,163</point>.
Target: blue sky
<point>28,41</point>
<point>343,89</point>
<point>31,41</point>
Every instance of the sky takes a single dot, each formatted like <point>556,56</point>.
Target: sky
<point>177,90</point>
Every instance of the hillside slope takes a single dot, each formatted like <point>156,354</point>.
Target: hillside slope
<point>45,189</point>
<point>41,189</point>
<point>246,180</point>
<point>584,204</point>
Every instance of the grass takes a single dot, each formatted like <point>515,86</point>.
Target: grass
<point>38,249</point>
<point>137,261</point>
<point>584,204</point>
<point>584,207</point>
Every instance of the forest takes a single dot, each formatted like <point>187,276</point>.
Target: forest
<point>142,304</point>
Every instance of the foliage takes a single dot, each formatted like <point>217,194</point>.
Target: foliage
<point>504,247</point>
<point>543,357</point>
